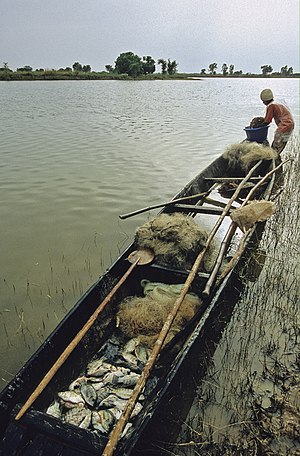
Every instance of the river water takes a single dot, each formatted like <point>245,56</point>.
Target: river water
<point>76,154</point>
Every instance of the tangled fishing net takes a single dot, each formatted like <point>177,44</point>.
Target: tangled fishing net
<point>175,239</point>
<point>144,317</point>
<point>242,156</point>
<point>257,122</point>
<point>254,211</point>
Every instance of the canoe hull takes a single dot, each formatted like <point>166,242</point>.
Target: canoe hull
<point>39,433</point>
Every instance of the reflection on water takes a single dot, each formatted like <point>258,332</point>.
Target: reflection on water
<point>75,155</point>
<point>231,391</point>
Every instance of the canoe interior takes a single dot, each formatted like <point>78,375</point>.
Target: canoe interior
<point>39,433</point>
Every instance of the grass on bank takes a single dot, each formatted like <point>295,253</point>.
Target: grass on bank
<point>44,75</point>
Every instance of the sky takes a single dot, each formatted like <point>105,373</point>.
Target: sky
<point>57,33</point>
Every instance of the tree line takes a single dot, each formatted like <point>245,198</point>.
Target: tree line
<point>229,70</point>
<point>134,66</point>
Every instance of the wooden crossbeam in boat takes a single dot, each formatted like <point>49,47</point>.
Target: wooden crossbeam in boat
<point>186,208</point>
<point>202,275</point>
<point>230,179</point>
<point>217,203</point>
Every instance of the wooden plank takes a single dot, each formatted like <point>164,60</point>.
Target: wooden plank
<point>203,275</point>
<point>231,179</point>
<point>186,208</point>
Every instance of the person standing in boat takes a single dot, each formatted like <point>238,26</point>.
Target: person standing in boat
<point>283,119</point>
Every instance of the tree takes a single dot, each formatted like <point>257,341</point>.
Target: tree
<point>231,69</point>
<point>148,64</point>
<point>135,69</point>
<point>129,63</point>
<point>225,69</point>
<point>283,70</point>
<point>163,64</point>
<point>77,66</point>
<point>172,67</point>
<point>109,68</point>
<point>212,68</point>
<point>25,68</point>
<point>203,71</point>
<point>266,69</point>
<point>86,68</point>
<point>6,68</point>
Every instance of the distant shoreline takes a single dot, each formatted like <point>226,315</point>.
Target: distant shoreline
<point>51,75</point>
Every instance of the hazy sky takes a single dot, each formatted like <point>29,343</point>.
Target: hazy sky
<point>195,33</point>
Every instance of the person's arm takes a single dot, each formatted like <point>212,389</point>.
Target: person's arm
<point>269,114</point>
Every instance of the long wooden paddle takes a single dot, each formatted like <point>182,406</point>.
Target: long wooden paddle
<point>137,257</point>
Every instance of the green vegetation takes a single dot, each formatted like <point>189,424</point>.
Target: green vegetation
<point>130,66</point>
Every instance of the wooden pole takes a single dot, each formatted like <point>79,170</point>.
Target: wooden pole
<point>68,350</point>
<point>169,203</point>
<point>157,206</point>
<point>230,233</point>
<point>223,249</point>
<point>231,263</point>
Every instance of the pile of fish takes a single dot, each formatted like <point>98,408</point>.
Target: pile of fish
<point>96,400</point>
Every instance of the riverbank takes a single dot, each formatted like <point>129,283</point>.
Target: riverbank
<point>58,75</point>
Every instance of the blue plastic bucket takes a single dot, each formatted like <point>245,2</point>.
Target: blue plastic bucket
<point>257,134</point>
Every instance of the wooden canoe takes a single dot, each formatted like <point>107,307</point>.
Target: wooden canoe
<point>37,432</point>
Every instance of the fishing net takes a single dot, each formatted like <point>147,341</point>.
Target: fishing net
<point>254,211</point>
<point>144,317</point>
<point>257,122</point>
<point>175,239</point>
<point>242,156</point>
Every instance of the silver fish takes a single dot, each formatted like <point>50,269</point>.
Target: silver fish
<point>129,380</point>
<point>96,385</point>
<point>142,353</point>
<point>123,393</point>
<point>103,421</point>
<point>130,358</point>
<point>54,409</point>
<point>88,393</point>
<point>76,415</point>
<point>86,422</point>
<point>130,345</point>
<point>138,407</point>
<point>76,384</point>
<point>99,367</point>
<point>101,395</point>
<point>116,412</point>
<point>70,399</point>
<point>113,377</point>
<point>93,379</point>
<point>112,401</point>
